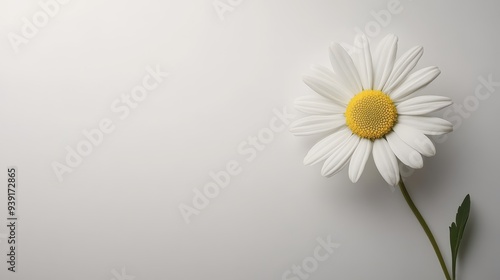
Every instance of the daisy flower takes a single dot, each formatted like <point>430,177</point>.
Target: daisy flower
<point>366,104</point>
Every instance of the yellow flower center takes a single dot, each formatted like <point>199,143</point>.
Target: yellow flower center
<point>371,114</point>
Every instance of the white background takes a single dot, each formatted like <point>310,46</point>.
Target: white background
<point>119,209</point>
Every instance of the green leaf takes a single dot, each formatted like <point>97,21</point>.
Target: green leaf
<point>457,231</point>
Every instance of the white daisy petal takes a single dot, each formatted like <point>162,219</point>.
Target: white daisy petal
<point>428,125</point>
<point>403,67</point>
<point>334,79</point>
<point>415,139</point>
<point>316,124</point>
<point>421,105</point>
<point>379,47</point>
<point>339,158</point>
<point>344,67</point>
<point>326,89</point>
<point>404,152</point>
<point>317,105</point>
<point>386,161</point>
<point>353,52</point>
<point>414,82</point>
<point>324,148</point>
<point>359,158</point>
<point>363,59</point>
<point>323,72</point>
<point>384,60</point>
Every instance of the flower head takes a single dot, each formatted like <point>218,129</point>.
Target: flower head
<point>366,105</point>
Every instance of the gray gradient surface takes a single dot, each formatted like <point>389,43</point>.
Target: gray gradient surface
<point>231,74</point>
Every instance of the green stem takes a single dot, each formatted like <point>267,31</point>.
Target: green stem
<point>425,227</point>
